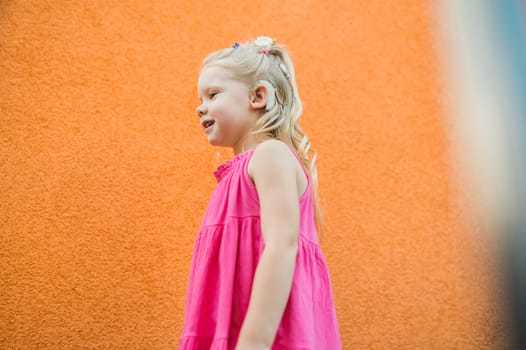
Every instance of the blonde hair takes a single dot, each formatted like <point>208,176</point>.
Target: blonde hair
<point>247,62</point>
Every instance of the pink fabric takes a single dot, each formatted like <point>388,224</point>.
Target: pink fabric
<point>226,252</point>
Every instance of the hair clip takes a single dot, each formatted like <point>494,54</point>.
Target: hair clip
<point>265,43</point>
<point>284,70</point>
<point>235,46</point>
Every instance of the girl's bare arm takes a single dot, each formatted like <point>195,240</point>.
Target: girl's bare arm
<point>273,168</point>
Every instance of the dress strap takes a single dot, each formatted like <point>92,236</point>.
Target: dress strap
<point>301,162</point>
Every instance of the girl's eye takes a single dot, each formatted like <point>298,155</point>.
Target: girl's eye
<point>213,94</point>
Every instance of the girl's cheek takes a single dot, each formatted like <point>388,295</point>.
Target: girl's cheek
<point>217,106</point>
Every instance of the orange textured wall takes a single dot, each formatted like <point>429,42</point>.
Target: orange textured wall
<point>105,173</point>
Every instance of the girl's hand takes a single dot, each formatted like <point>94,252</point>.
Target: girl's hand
<point>262,347</point>
<point>247,346</point>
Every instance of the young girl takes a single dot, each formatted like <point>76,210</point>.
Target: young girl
<point>258,278</point>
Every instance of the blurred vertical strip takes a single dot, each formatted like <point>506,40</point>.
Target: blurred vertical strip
<point>483,49</point>
<point>512,19</point>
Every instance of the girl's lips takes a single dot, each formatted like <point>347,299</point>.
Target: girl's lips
<point>208,125</point>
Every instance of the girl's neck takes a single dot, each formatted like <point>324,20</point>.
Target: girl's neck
<point>244,146</point>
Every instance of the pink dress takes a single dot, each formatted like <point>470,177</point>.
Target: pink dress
<point>225,257</point>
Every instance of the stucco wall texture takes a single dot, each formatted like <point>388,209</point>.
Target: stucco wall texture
<point>105,173</point>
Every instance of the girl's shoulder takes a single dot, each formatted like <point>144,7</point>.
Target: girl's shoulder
<point>271,155</point>
<point>274,161</point>
<point>274,148</point>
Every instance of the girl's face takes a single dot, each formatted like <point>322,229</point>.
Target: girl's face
<point>225,113</point>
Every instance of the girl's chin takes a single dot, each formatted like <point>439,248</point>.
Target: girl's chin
<point>214,142</point>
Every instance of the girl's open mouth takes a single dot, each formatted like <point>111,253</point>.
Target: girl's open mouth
<point>208,123</point>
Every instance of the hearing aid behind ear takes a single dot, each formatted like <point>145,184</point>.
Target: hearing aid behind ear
<point>271,98</point>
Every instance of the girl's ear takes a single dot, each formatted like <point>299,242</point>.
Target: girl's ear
<point>263,96</point>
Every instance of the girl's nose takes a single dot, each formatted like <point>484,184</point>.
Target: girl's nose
<point>201,110</point>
